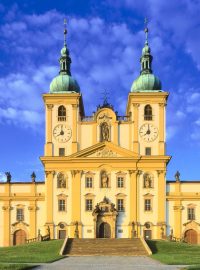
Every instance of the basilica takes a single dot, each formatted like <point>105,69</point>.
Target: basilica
<point>105,174</point>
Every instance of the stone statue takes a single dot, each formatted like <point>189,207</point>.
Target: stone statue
<point>104,180</point>
<point>177,176</point>
<point>105,132</point>
<point>8,176</point>
<point>61,181</point>
<point>76,232</point>
<point>33,177</point>
<point>48,230</point>
<point>147,181</point>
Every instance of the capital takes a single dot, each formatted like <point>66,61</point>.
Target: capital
<point>50,106</point>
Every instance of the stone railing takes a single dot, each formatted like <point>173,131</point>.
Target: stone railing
<point>39,238</point>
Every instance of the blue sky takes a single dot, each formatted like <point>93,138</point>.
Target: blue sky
<point>105,39</point>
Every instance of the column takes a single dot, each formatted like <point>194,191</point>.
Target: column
<point>76,202</point>
<point>135,127</point>
<point>162,125</point>
<point>74,129</point>
<point>6,214</point>
<point>49,201</point>
<point>49,144</point>
<point>32,210</point>
<point>161,229</point>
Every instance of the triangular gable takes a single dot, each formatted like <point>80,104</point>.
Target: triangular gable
<point>104,150</point>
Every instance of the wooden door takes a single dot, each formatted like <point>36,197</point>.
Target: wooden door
<point>191,237</point>
<point>104,230</point>
<point>147,234</point>
<point>62,234</point>
<point>19,237</point>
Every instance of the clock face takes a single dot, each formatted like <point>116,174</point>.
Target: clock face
<point>148,132</point>
<point>62,133</point>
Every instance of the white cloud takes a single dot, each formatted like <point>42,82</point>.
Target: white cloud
<point>2,177</point>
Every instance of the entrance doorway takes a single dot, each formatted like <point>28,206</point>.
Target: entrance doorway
<point>104,230</point>
<point>191,237</point>
<point>62,234</point>
<point>19,237</point>
<point>147,234</point>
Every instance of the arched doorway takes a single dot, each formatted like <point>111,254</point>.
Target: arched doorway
<point>104,230</point>
<point>19,237</point>
<point>191,237</point>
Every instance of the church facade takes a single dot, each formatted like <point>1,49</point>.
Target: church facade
<point>105,174</point>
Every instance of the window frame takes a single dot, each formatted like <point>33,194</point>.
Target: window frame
<point>120,206</point>
<point>62,113</point>
<point>147,207</point>
<point>20,216</point>
<point>192,214</point>
<point>148,116</point>
<point>88,204</point>
<point>62,207</point>
<point>88,181</point>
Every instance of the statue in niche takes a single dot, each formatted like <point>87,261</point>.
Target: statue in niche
<point>104,180</point>
<point>147,181</point>
<point>177,176</point>
<point>61,181</point>
<point>104,132</point>
<point>8,177</point>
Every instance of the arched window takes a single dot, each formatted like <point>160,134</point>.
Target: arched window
<point>61,113</point>
<point>147,112</point>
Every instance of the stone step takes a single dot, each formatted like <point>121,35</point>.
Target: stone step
<point>105,246</point>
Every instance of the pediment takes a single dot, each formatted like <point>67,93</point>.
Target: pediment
<point>104,150</point>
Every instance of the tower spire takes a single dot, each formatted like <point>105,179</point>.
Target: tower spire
<point>146,58</point>
<point>146,30</point>
<point>65,60</point>
<point>65,32</point>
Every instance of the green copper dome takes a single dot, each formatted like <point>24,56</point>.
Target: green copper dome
<point>64,82</point>
<point>147,81</point>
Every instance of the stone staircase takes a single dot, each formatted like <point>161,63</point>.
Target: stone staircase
<point>105,246</point>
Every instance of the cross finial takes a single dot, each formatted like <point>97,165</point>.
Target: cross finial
<point>105,97</point>
<point>65,31</point>
<point>146,30</point>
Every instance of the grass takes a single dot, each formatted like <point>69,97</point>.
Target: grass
<point>175,253</point>
<point>15,266</point>
<point>39,252</point>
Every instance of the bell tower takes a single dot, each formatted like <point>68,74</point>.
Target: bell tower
<point>63,107</point>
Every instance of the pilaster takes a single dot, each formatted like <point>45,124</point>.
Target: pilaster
<point>161,200</point>
<point>74,128</point>
<point>49,144</point>
<point>7,233</point>
<point>76,198</point>
<point>161,128</point>
<point>49,201</point>
<point>135,127</point>
<point>32,210</point>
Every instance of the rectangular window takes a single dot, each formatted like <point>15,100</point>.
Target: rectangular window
<point>20,214</point>
<point>120,205</point>
<point>88,204</point>
<point>148,151</point>
<point>191,213</point>
<point>147,205</point>
<point>61,205</point>
<point>120,182</point>
<point>88,182</point>
<point>61,152</point>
